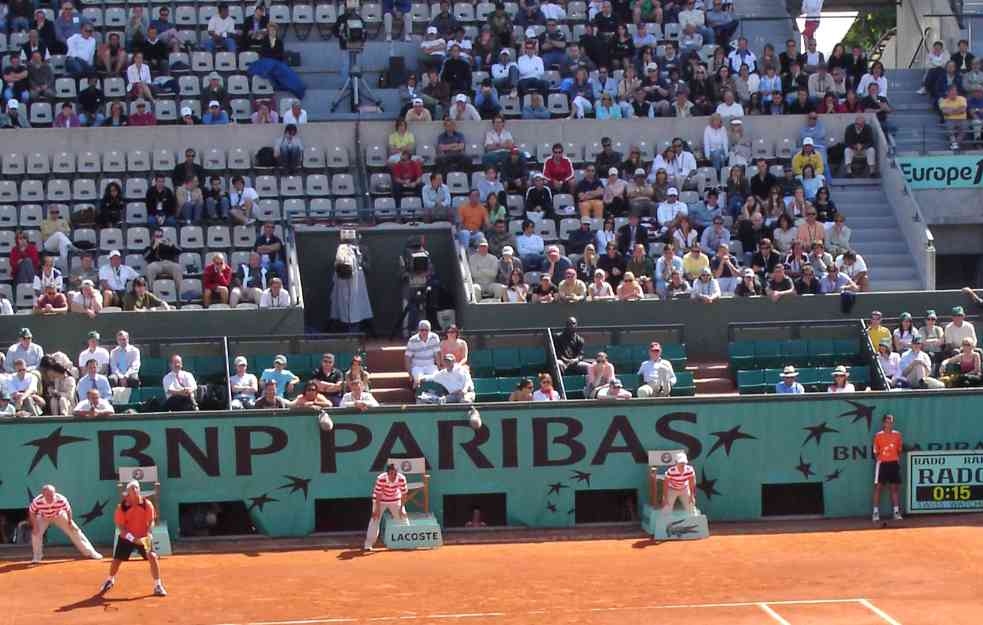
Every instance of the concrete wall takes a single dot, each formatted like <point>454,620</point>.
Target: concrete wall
<point>706,326</point>
<point>316,248</point>
<point>68,333</point>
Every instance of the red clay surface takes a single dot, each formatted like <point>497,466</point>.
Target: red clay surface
<point>914,576</point>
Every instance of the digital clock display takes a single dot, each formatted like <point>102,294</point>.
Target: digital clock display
<point>949,493</point>
<point>945,481</point>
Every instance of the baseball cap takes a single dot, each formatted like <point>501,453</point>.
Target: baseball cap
<point>613,171</point>
<point>916,338</point>
<point>450,357</point>
<point>736,122</point>
<point>12,103</point>
<point>133,484</point>
<point>585,220</point>
<point>615,382</point>
<point>639,172</point>
<point>681,458</point>
<point>280,359</point>
<point>140,103</point>
<point>706,271</point>
<point>483,242</point>
<point>673,191</point>
<point>808,141</point>
<point>507,250</point>
<point>94,335</point>
<point>417,101</point>
<point>213,103</point>
<point>930,314</point>
<point>114,253</point>
<point>506,52</point>
<point>432,30</point>
<point>88,283</point>
<point>240,360</point>
<point>460,98</point>
<point>186,111</point>
<point>748,272</point>
<point>25,333</point>
<point>214,76</point>
<point>958,310</point>
<point>651,67</point>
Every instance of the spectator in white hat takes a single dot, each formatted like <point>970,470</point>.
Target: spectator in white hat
<point>188,117</point>
<point>433,48</point>
<point>788,384</point>
<point>680,484</point>
<point>15,115</point>
<point>505,73</point>
<point>243,385</point>
<point>463,110</point>
<point>215,115</point>
<point>114,278</point>
<point>86,301</point>
<point>417,112</point>
<point>613,391</point>
<point>669,213</point>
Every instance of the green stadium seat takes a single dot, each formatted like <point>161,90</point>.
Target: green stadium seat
<point>750,381</point>
<point>821,352</point>
<point>207,365</point>
<point>685,386</point>
<point>506,386</point>
<point>638,354</point>
<point>795,352</point>
<point>481,364</point>
<point>574,385</point>
<point>265,361</point>
<point>630,381</point>
<point>486,389</point>
<point>342,360</point>
<point>153,370</point>
<point>845,350</point>
<point>532,359</point>
<point>621,356</point>
<point>741,354</point>
<point>767,354</point>
<point>771,378</point>
<point>808,377</point>
<point>673,352</point>
<point>824,377</point>
<point>506,361</point>
<point>860,375</point>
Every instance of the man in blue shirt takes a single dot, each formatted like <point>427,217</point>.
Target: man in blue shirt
<point>788,385</point>
<point>93,379</point>
<point>215,115</point>
<point>279,374</point>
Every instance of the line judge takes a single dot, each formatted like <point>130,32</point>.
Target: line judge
<point>389,494</point>
<point>53,508</point>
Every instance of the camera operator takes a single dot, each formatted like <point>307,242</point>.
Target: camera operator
<point>350,31</point>
<point>421,289</point>
<point>350,303</point>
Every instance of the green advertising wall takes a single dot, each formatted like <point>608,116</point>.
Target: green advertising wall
<point>538,455</point>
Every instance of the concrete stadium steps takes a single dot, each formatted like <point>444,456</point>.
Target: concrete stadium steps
<point>876,235</point>
<point>390,384</point>
<point>712,378</point>
<point>919,129</point>
<point>770,28</point>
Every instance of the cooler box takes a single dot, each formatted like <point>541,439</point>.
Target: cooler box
<point>675,525</point>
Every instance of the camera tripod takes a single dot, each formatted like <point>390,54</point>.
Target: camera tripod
<point>355,86</point>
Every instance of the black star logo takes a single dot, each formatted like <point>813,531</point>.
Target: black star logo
<point>259,502</point>
<point>48,446</point>
<point>860,411</point>
<point>30,495</point>
<point>727,439</point>
<point>580,476</point>
<point>805,468</point>
<point>835,475</point>
<point>816,432</point>
<point>550,506</point>
<point>571,510</point>
<point>707,485</point>
<point>556,488</point>
<point>296,484</point>
<point>95,513</point>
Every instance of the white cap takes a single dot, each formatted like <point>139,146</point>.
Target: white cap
<point>530,33</point>
<point>114,253</point>
<point>613,171</point>
<point>12,103</point>
<point>506,52</point>
<point>736,122</point>
<point>417,101</point>
<point>461,98</point>
<point>681,458</point>
<point>87,283</point>
<point>808,141</point>
<point>673,191</point>
<point>432,30</point>
<point>651,66</point>
<point>186,111</point>
<point>639,172</point>
<point>240,360</point>
<point>133,484</point>
<point>507,251</point>
<point>213,103</point>
<point>423,325</point>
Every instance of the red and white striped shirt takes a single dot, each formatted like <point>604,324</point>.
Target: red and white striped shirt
<point>678,479</point>
<point>49,510</point>
<point>386,491</point>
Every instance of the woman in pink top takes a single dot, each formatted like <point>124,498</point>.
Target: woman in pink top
<point>454,345</point>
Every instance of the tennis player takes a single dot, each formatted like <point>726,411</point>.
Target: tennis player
<point>134,517</point>
<point>888,446</point>
<point>680,485</point>
<point>389,494</point>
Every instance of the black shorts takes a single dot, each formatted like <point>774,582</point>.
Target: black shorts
<point>124,548</point>
<point>888,473</point>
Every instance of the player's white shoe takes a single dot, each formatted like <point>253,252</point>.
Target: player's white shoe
<point>368,548</point>
<point>897,516</point>
<point>35,560</point>
<point>95,555</point>
<point>159,590</point>
<point>107,586</point>
<point>876,516</point>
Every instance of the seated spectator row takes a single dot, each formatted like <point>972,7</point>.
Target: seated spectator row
<point>813,379</point>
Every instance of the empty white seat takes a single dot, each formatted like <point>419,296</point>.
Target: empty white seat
<point>342,184</point>
<point>136,213</point>
<point>110,239</point>
<point>346,208</point>
<point>238,85</point>
<point>13,164</point>
<point>8,216</point>
<point>294,208</point>
<point>7,241</point>
<point>163,160</point>
<point>25,296</point>
<point>58,191</point>
<point>135,189</point>
<point>266,186</point>
<point>31,191</point>
<point>137,238</point>
<point>314,158</point>
<point>225,61</point>
<point>202,61</point>
<point>268,210</point>
<point>317,185</point>
<point>291,186</point>
<point>218,237</point>
<point>239,159</point>
<point>338,158</point>
<point>244,236</point>
<point>137,161</point>
<point>190,262</point>
<point>320,207</point>
<point>38,164</point>
<point>84,190</point>
<point>31,216</point>
<point>192,238</point>
<point>166,290</point>
<point>89,163</point>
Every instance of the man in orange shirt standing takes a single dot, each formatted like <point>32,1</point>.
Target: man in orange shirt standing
<point>134,517</point>
<point>887,451</point>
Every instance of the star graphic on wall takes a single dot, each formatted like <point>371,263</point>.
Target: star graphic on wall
<point>30,495</point>
<point>556,488</point>
<point>550,506</point>
<point>727,439</point>
<point>707,485</point>
<point>259,502</point>
<point>95,513</point>
<point>805,468</point>
<point>296,484</point>
<point>835,475</point>
<point>49,445</point>
<point>860,411</point>
<point>580,476</point>
<point>571,510</point>
<point>816,432</point>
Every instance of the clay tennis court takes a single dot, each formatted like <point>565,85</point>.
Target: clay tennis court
<point>861,576</point>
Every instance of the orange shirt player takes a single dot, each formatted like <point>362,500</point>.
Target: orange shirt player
<point>887,451</point>
<point>134,517</point>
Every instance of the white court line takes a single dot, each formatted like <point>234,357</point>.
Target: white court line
<point>879,612</point>
<point>762,605</point>
<point>774,615</point>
